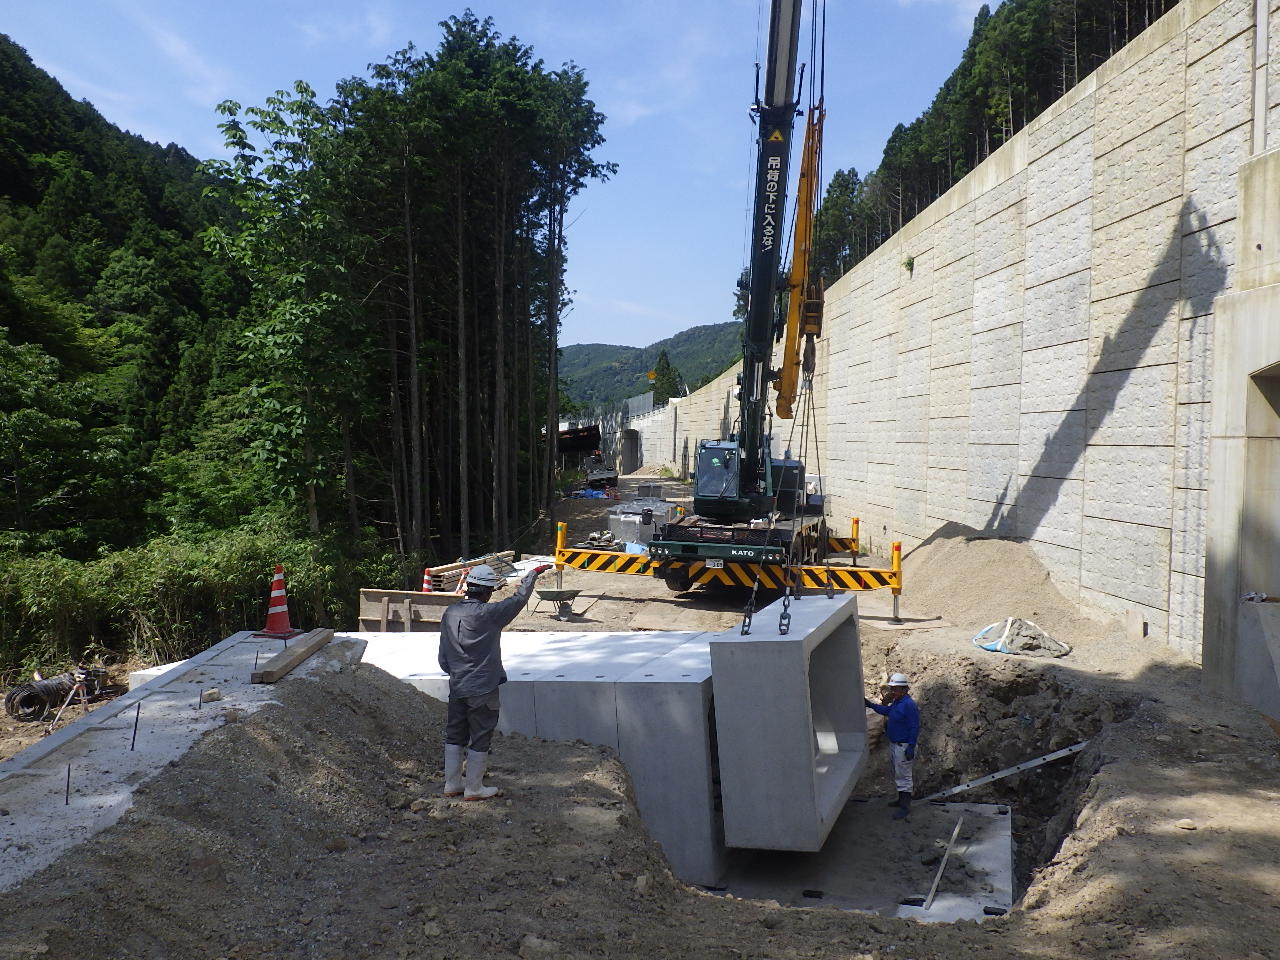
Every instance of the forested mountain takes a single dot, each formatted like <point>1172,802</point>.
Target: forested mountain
<point>1019,60</point>
<point>336,349</point>
<point>604,373</point>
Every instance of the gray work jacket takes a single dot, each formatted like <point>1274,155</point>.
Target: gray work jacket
<point>470,641</point>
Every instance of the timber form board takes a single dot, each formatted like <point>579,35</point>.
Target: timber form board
<point>301,649</point>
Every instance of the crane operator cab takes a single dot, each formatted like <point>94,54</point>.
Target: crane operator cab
<point>716,476</point>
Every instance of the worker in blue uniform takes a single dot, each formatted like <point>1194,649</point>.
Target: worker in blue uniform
<point>902,730</point>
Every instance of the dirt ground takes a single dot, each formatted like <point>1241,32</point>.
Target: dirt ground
<point>16,735</point>
<point>313,829</point>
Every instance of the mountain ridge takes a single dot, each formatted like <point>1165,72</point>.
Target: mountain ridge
<point>596,373</point>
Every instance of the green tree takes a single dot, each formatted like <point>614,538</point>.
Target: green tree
<point>666,382</point>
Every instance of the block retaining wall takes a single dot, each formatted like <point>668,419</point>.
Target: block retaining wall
<point>1042,368</point>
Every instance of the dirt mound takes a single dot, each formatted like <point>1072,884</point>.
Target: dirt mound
<point>972,581</point>
<point>312,829</point>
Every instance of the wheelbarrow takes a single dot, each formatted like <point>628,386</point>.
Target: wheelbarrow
<point>563,599</point>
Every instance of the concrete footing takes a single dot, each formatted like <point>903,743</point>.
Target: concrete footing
<point>80,779</point>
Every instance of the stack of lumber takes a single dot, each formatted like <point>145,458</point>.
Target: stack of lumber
<point>444,579</point>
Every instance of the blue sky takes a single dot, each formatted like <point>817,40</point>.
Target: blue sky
<point>653,251</point>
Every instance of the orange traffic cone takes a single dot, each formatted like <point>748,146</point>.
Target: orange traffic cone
<point>278,608</point>
<point>426,581</point>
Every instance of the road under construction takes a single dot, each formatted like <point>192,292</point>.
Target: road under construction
<point>680,775</point>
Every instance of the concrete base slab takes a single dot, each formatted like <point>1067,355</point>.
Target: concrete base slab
<point>871,863</point>
<point>44,818</point>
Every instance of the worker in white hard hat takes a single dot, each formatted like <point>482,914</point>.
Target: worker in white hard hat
<point>903,730</point>
<point>471,653</point>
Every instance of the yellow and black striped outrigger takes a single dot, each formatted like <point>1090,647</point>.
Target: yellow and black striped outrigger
<point>737,572</point>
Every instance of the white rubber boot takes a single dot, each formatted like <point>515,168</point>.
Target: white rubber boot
<point>453,769</point>
<point>476,790</point>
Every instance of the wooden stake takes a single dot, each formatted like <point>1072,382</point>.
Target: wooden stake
<point>928,902</point>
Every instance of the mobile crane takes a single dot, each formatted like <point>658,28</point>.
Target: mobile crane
<point>751,524</point>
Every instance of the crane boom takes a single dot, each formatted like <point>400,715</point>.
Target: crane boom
<point>753,523</point>
<point>738,485</point>
<point>804,308</point>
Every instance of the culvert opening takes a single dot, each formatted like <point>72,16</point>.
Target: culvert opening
<point>972,855</point>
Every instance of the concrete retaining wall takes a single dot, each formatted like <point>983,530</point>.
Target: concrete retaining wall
<point>1031,355</point>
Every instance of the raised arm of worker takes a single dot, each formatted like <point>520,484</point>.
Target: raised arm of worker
<point>499,614</point>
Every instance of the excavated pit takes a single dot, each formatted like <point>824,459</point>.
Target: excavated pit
<point>977,720</point>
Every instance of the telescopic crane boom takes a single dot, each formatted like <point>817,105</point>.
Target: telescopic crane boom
<point>734,482</point>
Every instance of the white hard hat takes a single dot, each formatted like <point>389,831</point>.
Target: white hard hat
<point>899,680</point>
<point>484,576</point>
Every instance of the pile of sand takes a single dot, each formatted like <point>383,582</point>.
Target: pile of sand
<point>972,581</point>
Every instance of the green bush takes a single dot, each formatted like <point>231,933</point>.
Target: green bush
<point>174,596</point>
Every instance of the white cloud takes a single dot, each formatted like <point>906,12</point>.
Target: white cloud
<point>962,12</point>
<point>611,309</point>
<point>373,26</point>
<point>82,89</point>
<point>208,83</point>
<point>379,25</point>
<point>117,107</point>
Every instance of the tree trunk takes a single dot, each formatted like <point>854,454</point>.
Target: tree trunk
<point>555,238</point>
<point>349,475</point>
<point>463,404</point>
<point>414,493</point>
<point>399,463</point>
<point>501,450</point>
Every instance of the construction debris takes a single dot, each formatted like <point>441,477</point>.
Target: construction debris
<point>1019,636</point>
<point>37,699</point>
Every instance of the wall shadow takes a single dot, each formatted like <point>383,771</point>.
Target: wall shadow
<point>1201,260</point>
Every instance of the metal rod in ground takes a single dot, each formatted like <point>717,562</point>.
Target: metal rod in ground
<point>137,715</point>
<point>256,654</point>
<point>67,801</point>
<point>200,699</point>
<point>1008,772</point>
<point>66,703</point>
<point>928,901</point>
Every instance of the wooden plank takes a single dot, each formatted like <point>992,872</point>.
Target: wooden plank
<point>298,651</point>
<point>386,611</point>
<point>508,555</point>
<point>928,902</point>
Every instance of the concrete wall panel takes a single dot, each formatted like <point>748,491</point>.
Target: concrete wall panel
<point>1056,312</point>
<point>995,357</point>
<point>1062,178</point>
<point>997,297</point>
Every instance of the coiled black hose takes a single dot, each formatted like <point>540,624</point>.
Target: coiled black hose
<point>31,701</point>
